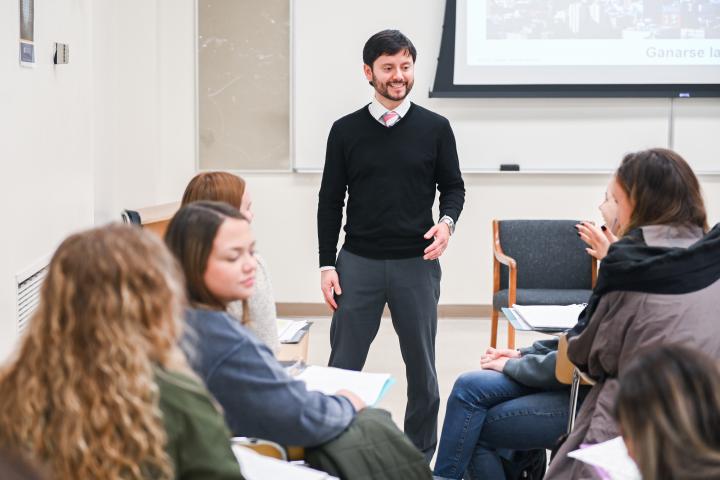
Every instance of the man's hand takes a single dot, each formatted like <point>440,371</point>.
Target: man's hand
<point>356,401</point>
<point>441,232</point>
<point>329,284</point>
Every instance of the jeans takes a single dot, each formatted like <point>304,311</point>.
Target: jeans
<point>489,413</point>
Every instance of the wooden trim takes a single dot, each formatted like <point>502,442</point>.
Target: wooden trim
<point>288,309</point>
<point>158,213</point>
<point>594,271</point>
<point>499,256</point>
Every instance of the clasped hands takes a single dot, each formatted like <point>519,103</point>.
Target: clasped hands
<point>496,358</point>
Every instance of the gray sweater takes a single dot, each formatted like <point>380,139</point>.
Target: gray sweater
<point>536,367</point>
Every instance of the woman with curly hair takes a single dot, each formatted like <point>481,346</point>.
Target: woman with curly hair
<point>99,387</point>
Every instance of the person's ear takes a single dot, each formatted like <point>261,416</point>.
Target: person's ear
<point>367,70</point>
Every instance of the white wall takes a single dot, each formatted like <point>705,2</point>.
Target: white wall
<point>507,129</point>
<point>143,104</point>
<point>285,206</point>
<point>46,163</point>
<point>112,129</point>
<point>538,134</point>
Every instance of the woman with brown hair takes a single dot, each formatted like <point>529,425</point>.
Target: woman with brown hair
<point>668,408</point>
<point>215,246</point>
<point>99,387</point>
<point>658,282</point>
<point>258,312</point>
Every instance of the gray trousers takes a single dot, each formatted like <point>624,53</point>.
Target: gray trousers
<point>411,289</point>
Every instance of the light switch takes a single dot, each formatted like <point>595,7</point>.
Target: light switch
<point>62,53</point>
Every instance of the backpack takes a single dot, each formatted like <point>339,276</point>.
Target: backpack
<point>525,465</point>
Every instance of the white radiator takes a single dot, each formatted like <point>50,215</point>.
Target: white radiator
<point>29,283</point>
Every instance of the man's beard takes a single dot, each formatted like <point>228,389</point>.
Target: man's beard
<point>384,90</point>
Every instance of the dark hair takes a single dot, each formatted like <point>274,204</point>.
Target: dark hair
<point>190,236</point>
<point>668,407</point>
<point>662,188</point>
<point>215,186</point>
<point>387,42</point>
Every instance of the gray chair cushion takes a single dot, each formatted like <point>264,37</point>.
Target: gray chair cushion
<point>549,255</point>
<point>542,296</point>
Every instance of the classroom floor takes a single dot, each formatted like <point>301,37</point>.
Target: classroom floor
<point>460,342</point>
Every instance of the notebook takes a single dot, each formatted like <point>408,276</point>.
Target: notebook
<point>371,387</point>
<point>560,317</point>
<point>610,459</point>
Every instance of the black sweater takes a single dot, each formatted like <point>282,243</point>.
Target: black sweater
<point>390,175</point>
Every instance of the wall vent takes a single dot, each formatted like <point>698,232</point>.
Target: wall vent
<point>28,291</point>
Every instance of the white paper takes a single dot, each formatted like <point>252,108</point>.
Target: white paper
<point>259,467</point>
<point>549,316</point>
<point>368,386</point>
<point>612,457</point>
<point>288,328</point>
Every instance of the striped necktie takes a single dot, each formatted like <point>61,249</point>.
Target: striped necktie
<point>390,118</point>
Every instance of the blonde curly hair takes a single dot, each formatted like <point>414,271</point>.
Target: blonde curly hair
<point>80,393</point>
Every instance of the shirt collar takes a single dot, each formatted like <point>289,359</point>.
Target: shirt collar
<point>377,109</point>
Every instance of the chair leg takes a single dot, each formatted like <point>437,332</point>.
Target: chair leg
<point>511,336</point>
<point>574,391</point>
<point>494,328</point>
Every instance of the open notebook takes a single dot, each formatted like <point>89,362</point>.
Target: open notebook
<point>560,317</point>
<point>371,387</point>
<point>610,459</point>
<point>257,467</point>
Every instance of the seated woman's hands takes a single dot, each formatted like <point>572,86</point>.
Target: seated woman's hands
<point>597,238</point>
<point>356,401</point>
<point>495,358</point>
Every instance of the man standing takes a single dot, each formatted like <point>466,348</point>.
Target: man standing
<point>389,156</point>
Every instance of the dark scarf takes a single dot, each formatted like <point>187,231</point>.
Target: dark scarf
<point>632,265</point>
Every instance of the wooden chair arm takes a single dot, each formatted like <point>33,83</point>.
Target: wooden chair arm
<point>295,453</point>
<point>504,259</point>
<point>270,449</point>
<point>497,248</point>
<point>263,447</point>
<point>564,368</point>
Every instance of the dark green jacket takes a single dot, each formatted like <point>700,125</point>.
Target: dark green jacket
<point>198,439</point>
<point>371,448</point>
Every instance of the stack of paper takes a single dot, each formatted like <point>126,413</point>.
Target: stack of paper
<point>610,459</point>
<point>287,329</point>
<point>371,387</point>
<point>560,317</point>
<point>258,467</point>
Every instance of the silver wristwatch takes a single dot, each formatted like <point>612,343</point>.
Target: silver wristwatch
<point>450,223</point>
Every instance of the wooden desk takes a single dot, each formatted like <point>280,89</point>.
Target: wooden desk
<point>294,351</point>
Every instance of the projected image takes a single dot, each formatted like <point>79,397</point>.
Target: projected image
<point>602,19</point>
